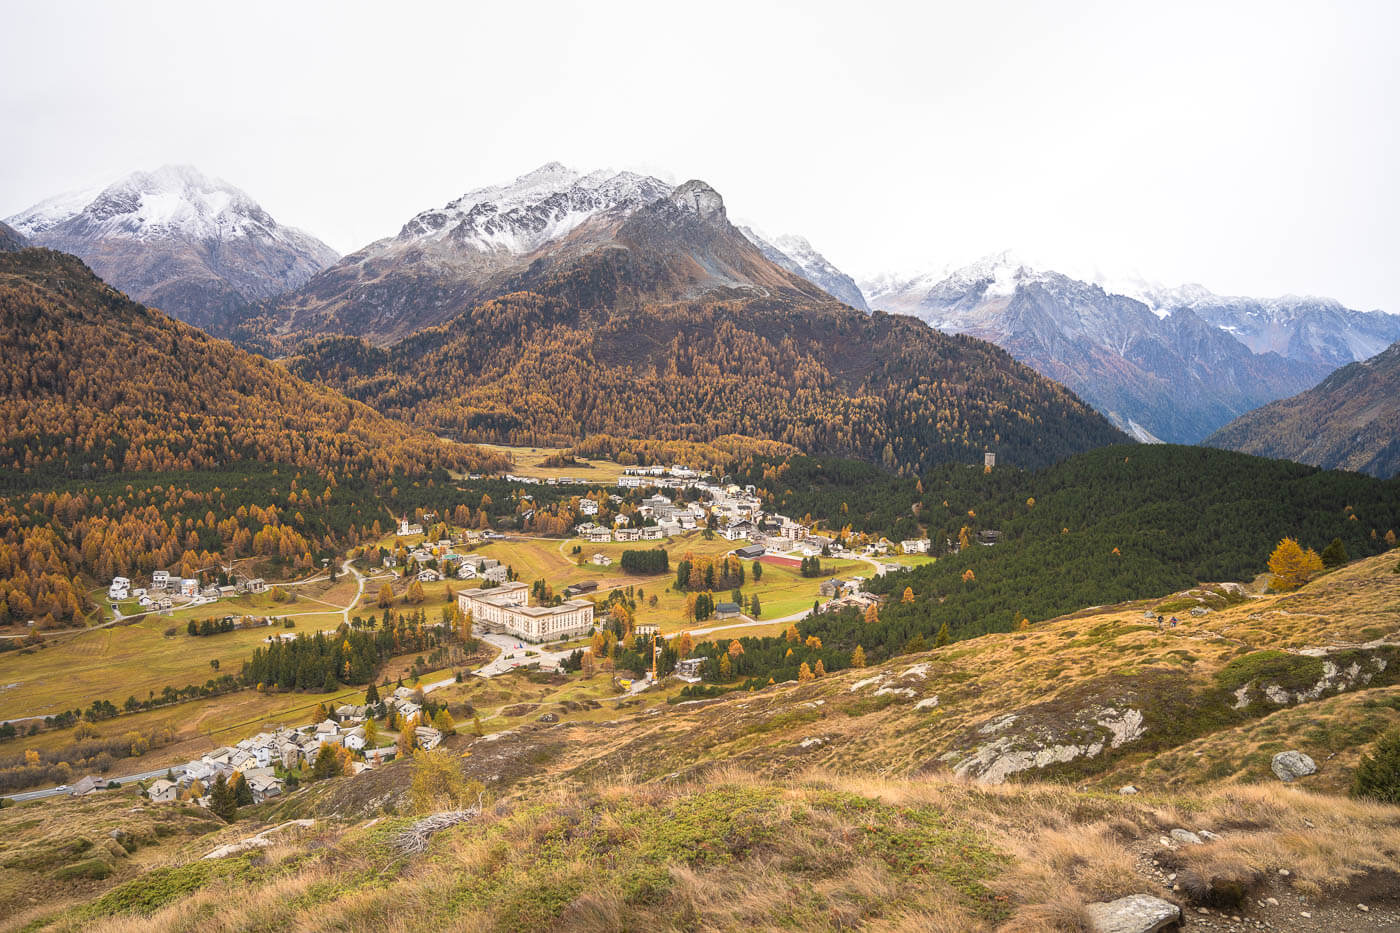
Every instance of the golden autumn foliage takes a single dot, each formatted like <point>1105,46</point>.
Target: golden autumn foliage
<point>1292,566</point>
<point>94,380</point>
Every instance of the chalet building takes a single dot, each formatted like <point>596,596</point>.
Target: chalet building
<point>505,610</point>
<point>737,531</point>
<point>163,791</point>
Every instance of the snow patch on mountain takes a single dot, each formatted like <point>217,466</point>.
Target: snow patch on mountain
<point>537,208</point>
<point>53,211</point>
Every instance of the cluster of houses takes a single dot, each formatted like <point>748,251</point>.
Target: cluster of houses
<point>597,534</point>
<point>165,589</point>
<point>452,564</point>
<point>673,477</point>
<point>848,594</point>
<point>258,758</point>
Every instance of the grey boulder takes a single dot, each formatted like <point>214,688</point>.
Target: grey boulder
<point>1136,913</point>
<point>1291,765</point>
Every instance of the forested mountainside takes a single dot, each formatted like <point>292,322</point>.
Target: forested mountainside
<point>96,387</point>
<point>1114,524</point>
<point>1350,421</point>
<point>195,247</point>
<point>96,383</point>
<point>531,369</point>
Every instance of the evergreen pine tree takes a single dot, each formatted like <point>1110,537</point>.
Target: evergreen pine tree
<point>221,801</point>
<point>943,637</point>
<point>242,793</point>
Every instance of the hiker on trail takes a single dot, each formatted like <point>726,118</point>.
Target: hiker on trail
<point>1160,620</point>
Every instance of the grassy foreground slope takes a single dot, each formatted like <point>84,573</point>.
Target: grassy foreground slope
<point>881,797</point>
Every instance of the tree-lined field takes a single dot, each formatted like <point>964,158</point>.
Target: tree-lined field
<point>531,461</point>
<point>139,658</point>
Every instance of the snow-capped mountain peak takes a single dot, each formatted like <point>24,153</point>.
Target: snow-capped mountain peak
<point>190,244</point>
<point>172,202</point>
<point>996,275</point>
<point>537,208</point>
<point>53,211</point>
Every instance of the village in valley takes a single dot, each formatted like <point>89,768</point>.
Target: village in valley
<point>511,600</point>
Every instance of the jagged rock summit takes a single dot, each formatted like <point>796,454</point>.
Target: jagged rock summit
<point>700,199</point>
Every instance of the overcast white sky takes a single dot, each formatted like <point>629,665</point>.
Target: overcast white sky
<point>1251,147</point>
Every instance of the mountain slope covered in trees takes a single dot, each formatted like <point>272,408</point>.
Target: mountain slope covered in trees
<point>1115,524</point>
<point>11,239</point>
<point>1349,421</point>
<point>96,383</point>
<point>531,369</point>
<point>129,441</point>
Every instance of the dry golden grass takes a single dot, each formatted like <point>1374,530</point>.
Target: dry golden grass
<point>1061,850</point>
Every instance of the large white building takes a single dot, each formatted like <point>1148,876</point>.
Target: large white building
<point>506,610</point>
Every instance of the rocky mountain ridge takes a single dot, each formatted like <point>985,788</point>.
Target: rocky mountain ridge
<point>1349,421</point>
<point>504,238</point>
<point>1174,366</point>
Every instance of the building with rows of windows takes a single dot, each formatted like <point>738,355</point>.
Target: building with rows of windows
<point>506,610</point>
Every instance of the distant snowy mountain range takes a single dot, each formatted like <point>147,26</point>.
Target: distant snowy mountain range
<point>1163,364</point>
<point>191,245</point>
